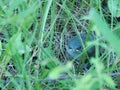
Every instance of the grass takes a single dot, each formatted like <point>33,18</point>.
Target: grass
<point>33,39</point>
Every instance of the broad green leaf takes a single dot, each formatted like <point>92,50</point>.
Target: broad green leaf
<point>13,4</point>
<point>57,72</point>
<point>16,46</point>
<point>87,83</point>
<point>114,7</point>
<point>107,33</point>
<point>109,81</point>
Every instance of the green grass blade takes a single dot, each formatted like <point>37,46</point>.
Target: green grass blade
<point>105,30</point>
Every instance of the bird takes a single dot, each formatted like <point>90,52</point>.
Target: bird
<point>75,45</point>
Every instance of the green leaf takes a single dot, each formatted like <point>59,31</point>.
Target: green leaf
<point>0,48</point>
<point>56,72</point>
<point>13,5</point>
<point>109,81</point>
<point>107,33</point>
<point>16,46</point>
<point>114,7</point>
<point>117,29</point>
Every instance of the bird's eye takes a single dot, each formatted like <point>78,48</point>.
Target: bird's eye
<point>70,49</point>
<point>79,48</point>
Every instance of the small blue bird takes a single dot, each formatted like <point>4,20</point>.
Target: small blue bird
<point>75,45</point>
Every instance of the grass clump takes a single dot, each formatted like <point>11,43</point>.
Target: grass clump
<point>33,40</point>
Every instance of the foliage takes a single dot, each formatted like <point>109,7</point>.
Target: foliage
<point>33,37</point>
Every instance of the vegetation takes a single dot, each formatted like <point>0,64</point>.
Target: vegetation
<point>33,39</point>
